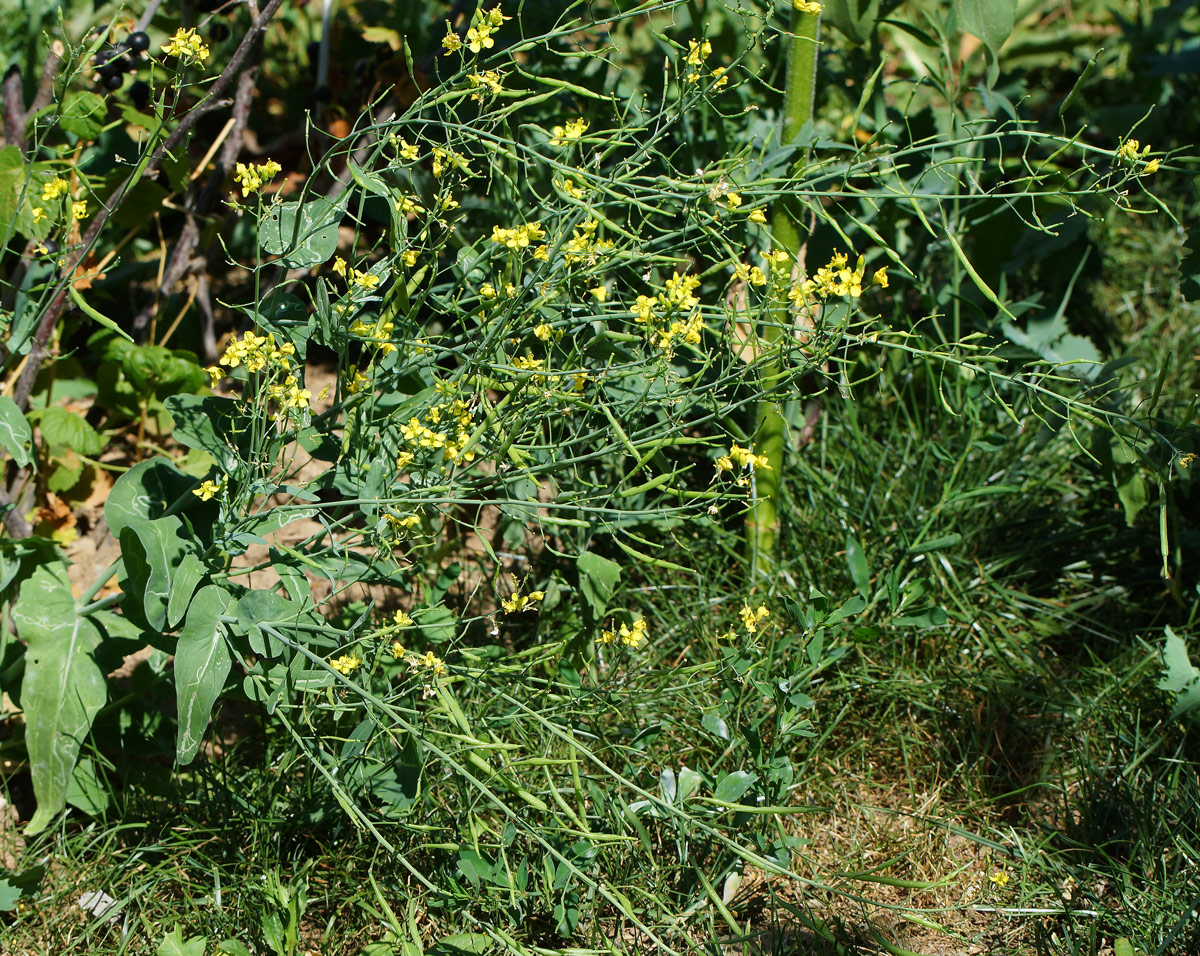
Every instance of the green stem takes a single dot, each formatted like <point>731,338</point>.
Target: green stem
<point>762,523</point>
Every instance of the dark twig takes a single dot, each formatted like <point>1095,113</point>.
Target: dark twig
<point>45,90</point>
<point>14,109</point>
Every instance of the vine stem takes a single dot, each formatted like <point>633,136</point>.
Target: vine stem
<point>771,432</point>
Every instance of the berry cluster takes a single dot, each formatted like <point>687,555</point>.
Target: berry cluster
<point>113,63</point>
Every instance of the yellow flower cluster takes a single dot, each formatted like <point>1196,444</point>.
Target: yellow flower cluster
<point>811,7</point>
<point>187,45</point>
<point>1131,151</point>
<point>442,156</point>
<point>486,82</point>
<point>698,52</point>
<point>568,186</point>
<point>430,661</point>
<point>419,434</point>
<point>289,394</point>
<point>257,352</point>
<point>743,458</point>
<point>361,280</point>
<point>78,210</point>
<point>519,237</point>
<point>676,303</point>
<point>517,602</point>
<point>53,189</point>
<point>752,617</point>
<point>404,149</point>
<point>562,135</point>
<point>208,488</point>
<point>378,335</point>
<point>253,178</point>
<point>346,664</point>
<point>629,636</point>
<point>584,247</point>
<point>479,34</point>
<point>837,279</point>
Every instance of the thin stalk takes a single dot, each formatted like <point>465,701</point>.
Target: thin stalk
<point>762,523</point>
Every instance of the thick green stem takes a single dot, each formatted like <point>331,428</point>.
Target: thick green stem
<point>762,525</point>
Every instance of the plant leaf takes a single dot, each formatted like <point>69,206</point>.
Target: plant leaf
<point>15,433</point>
<point>63,687</point>
<point>202,663</point>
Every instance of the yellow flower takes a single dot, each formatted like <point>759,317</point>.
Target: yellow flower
<point>365,280</point>
<point>480,38</point>
<point>409,206</point>
<point>568,186</point>
<point>496,17</point>
<point>751,617</point>
<point>402,619</point>
<point>253,178</point>
<point>451,41</point>
<point>398,650</point>
<point>1152,166</point>
<point>697,52</point>
<point>543,331</point>
<point>208,488</point>
<point>215,373</point>
<point>880,277</point>
<point>517,602</point>
<point>562,135</point>
<point>757,216</point>
<point>346,664</point>
<point>339,266</point>
<point>409,257</point>
<point>811,7</point>
<point>53,189</point>
<point>628,636</point>
<point>406,150</point>
<point>1000,878</point>
<point>187,45</point>
<point>488,80</point>
<point>78,210</point>
<point>720,79</point>
<point>599,293</point>
<point>38,214</point>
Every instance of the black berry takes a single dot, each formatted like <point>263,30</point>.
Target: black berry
<point>114,82</point>
<point>139,42</point>
<point>139,94</point>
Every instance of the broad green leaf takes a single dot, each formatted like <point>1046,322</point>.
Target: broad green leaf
<point>144,493</point>
<point>86,791</point>
<point>153,552</point>
<point>202,663</point>
<point>63,429</point>
<point>992,21</point>
<point>598,577</point>
<point>15,433</point>
<point>173,944</point>
<point>15,885</point>
<point>849,609</point>
<point>82,113</point>
<point>12,175</point>
<point>473,943</point>
<point>732,786</point>
<point>210,424</point>
<point>715,725</point>
<point>860,571</point>
<point>1181,678</point>
<point>266,607</point>
<point>186,579</point>
<point>63,687</point>
<point>231,947</point>
<point>304,234</point>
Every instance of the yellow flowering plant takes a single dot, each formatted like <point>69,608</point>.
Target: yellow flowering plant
<point>506,383</point>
